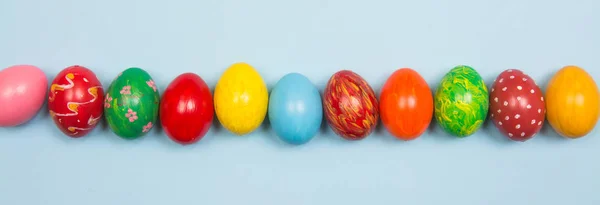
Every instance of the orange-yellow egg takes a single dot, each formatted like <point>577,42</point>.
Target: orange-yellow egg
<point>572,102</point>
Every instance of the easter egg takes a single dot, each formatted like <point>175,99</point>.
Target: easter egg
<point>572,102</point>
<point>22,94</point>
<point>131,104</point>
<point>461,101</point>
<point>75,101</point>
<point>241,99</point>
<point>517,105</point>
<point>186,109</point>
<point>350,106</point>
<point>295,109</point>
<point>406,104</point>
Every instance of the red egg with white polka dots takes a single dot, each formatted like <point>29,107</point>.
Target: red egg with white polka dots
<point>517,105</point>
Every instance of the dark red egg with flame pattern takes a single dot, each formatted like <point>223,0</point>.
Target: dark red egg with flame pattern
<point>351,108</point>
<point>75,101</point>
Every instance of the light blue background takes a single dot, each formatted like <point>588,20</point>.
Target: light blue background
<point>40,165</point>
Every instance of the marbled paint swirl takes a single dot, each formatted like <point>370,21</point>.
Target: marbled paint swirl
<point>351,108</point>
<point>461,101</point>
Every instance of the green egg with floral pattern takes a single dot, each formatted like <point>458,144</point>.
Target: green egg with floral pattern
<point>461,102</point>
<point>131,104</point>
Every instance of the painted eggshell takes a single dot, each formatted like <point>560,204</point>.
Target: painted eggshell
<point>186,109</point>
<point>461,101</point>
<point>295,109</point>
<point>22,94</point>
<point>131,104</point>
<point>75,101</point>
<point>517,105</point>
<point>406,104</point>
<point>572,102</point>
<point>350,105</point>
<point>241,99</point>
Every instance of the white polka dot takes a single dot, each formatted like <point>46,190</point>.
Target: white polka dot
<point>510,134</point>
<point>506,118</point>
<point>512,77</point>
<point>496,99</point>
<point>528,106</point>
<point>517,116</point>
<point>522,134</point>
<point>539,110</point>
<point>519,88</point>
<point>509,70</point>
<point>540,123</point>
<point>86,80</point>
<point>499,123</point>
<point>492,114</point>
<point>518,126</point>
<point>532,91</point>
<point>533,121</point>
<point>501,79</point>
<point>542,98</point>
<point>505,103</point>
<point>504,89</point>
<point>524,79</point>
<point>499,111</point>
<point>492,89</point>
<point>519,98</point>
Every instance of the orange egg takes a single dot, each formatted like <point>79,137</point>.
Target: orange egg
<point>406,104</point>
<point>572,102</point>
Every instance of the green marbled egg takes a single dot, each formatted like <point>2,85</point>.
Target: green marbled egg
<point>461,101</point>
<point>131,104</point>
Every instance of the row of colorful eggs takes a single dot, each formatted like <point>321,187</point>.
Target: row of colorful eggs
<point>295,108</point>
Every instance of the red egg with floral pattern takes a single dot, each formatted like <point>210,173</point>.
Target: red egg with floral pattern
<point>350,106</point>
<point>517,105</point>
<point>75,101</point>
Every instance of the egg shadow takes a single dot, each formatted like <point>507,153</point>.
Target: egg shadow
<point>103,124</point>
<point>433,126</point>
<point>158,128</point>
<point>547,129</point>
<point>266,129</point>
<point>44,109</point>
<point>325,131</point>
<point>265,126</point>
<point>216,124</point>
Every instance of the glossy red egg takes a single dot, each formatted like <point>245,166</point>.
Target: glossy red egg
<point>517,105</point>
<point>186,109</point>
<point>76,101</point>
<point>350,106</point>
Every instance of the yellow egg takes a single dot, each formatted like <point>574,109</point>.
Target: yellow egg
<point>241,99</point>
<point>572,102</point>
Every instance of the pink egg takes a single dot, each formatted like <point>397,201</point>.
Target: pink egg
<point>22,94</point>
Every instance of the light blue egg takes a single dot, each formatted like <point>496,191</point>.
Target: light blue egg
<point>295,109</point>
